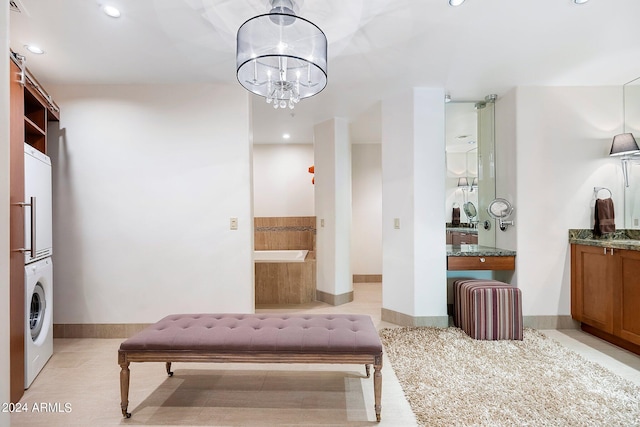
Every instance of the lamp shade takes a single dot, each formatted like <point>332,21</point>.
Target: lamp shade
<point>282,57</point>
<point>623,144</point>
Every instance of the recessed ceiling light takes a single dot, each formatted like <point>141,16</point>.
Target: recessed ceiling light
<point>580,1</point>
<point>34,49</point>
<point>286,136</point>
<point>455,2</point>
<point>111,11</point>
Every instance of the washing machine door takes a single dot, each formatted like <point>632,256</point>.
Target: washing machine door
<point>37,311</point>
<point>39,302</point>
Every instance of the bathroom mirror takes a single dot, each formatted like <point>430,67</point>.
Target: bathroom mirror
<point>470,210</point>
<point>470,154</point>
<point>500,209</point>
<point>471,213</point>
<point>631,96</point>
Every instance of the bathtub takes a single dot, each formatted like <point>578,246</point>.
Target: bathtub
<point>280,256</point>
<point>284,277</point>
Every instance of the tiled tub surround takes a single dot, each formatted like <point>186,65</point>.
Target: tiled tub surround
<point>285,282</point>
<point>282,233</point>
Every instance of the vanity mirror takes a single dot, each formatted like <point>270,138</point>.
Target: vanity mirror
<point>470,168</point>
<point>471,212</point>
<point>631,95</point>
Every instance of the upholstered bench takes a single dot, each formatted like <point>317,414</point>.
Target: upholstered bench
<point>488,309</point>
<point>255,338</point>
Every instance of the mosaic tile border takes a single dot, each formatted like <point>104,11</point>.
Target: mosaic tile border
<point>285,228</point>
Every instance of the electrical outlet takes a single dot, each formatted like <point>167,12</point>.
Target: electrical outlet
<point>396,223</point>
<point>321,222</point>
<point>233,224</point>
<point>635,222</point>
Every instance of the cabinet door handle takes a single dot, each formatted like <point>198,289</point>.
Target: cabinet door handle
<point>32,205</point>
<point>611,251</point>
<point>482,260</point>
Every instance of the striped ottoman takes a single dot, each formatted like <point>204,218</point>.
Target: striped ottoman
<point>488,309</point>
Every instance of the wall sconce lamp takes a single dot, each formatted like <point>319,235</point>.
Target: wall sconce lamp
<point>624,145</point>
<point>463,183</point>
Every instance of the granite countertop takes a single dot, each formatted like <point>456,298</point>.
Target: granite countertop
<point>620,239</point>
<point>467,230</point>
<point>477,250</point>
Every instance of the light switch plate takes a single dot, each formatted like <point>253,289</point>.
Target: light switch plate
<point>233,224</point>
<point>396,223</point>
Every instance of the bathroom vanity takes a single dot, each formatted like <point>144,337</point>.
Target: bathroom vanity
<point>478,257</point>
<point>605,286</point>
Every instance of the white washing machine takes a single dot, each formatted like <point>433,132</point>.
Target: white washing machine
<point>38,338</point>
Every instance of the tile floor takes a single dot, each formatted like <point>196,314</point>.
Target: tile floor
<point>83,374</point>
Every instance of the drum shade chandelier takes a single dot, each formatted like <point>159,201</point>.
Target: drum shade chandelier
<point>281,56</point>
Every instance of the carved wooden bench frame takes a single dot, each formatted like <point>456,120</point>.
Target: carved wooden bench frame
<point>125,357</point>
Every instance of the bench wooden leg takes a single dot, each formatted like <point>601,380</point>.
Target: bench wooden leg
<point>124,388</point>
<point>169,369</point>
<point>377,388</point>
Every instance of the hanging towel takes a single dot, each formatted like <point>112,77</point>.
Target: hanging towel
<point>455,217</point>
<point>605,221</point>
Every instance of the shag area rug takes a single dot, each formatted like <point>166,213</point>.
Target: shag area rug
<point>451,379</point>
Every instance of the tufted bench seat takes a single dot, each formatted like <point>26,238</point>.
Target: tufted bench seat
<point>488,309</point>
<point>255,338</point>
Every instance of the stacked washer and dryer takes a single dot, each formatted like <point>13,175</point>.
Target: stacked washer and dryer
<point>38,265</point>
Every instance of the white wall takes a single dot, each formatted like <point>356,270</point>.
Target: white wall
<point>506,172</point>
<point>366,226</point>
<point>4,212</point>
<point>146,179</point>
<point>281,180</point>
<point>413,190</point>
<point>563,139</point>
<point>332,153</point>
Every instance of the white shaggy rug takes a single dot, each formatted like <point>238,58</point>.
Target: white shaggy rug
<point>451,379</point>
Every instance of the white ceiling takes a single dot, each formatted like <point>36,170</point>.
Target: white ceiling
<point>376,48</point>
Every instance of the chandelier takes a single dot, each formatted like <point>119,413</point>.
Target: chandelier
<point>281,56</point>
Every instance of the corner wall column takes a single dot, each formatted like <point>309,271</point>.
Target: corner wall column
<point>414,263</point>
<point>332,159</point>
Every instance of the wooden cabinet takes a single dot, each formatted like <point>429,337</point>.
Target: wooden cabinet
<point>627,317</point>
<point>30,111</point>
<point>458,238</point>
<point>605,293</point>
<point>16,235</point>
<point>592,295</point>
<point>456,263</point>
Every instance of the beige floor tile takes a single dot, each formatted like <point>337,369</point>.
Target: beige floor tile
<point>85,374</point>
